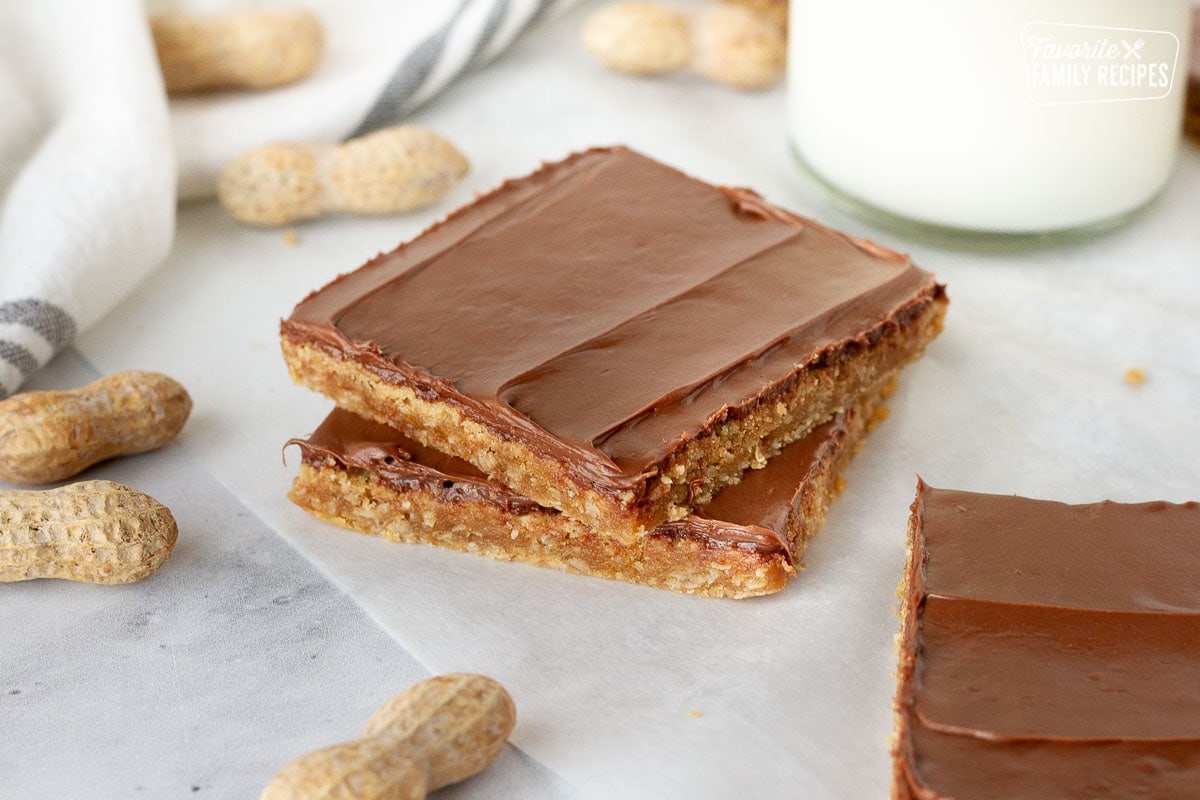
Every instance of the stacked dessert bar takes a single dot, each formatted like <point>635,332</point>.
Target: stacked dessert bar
<point>610,368</point>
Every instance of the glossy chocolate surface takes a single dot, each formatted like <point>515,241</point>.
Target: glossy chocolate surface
<point>1103,556</point>
<point>753,514</point>
<point>1193,87</point>
<point>1194,70</point>
<point>1056,650</point>
<point>608,308</point>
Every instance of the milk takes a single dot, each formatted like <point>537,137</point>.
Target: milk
<point>991,115</point>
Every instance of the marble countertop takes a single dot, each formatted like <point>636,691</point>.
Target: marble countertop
<point>268,634</point>
<point>204,679</point>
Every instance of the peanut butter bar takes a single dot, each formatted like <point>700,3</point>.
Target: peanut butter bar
<point>612,338</point>
<point>748,541</point>
<point>1048,651</point>
<point>1191,112</point>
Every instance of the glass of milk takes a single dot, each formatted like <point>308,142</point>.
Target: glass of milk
<point>1008,116</point>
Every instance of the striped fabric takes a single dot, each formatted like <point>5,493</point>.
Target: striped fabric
<point>33,329</point>
<point>31,332</point>
<point>474,34</point>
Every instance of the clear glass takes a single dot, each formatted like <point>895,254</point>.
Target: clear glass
<point>994,117</point>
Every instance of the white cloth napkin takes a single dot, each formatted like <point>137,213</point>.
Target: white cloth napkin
<point>383,60</point>
<point>91,153</point>
<point>85,142</point>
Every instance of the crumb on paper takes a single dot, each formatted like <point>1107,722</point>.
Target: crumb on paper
<point>291,238</point>
<point>877,416</point>
<point>695,714</point>
<point>1135,376</point>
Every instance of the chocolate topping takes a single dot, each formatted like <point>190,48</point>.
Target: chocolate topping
<point>1057,649</point>
<point>963,767</point>
<point>1194,69</point>
<point>1193,87</point>
<point>999,671</point>
<point>1105,556</point>
<point>352,441</point>
<point>608,308</point>
<point>753,514</point>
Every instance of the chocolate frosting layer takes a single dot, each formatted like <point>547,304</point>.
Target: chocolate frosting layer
<point>753,514</point>
<point>607,308</point>
<point>1193,87</point>
<point>1057,649</point>
<point>352,441</point>
<point>1001,671</point>
<point>1101,556</point>
<point>1194,69</point>
<point>968,768</point>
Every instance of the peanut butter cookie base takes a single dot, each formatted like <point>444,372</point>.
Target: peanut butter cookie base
<point>668,558</point>
<point>360,501</point>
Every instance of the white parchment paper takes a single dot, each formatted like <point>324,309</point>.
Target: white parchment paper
<point>631,692</point>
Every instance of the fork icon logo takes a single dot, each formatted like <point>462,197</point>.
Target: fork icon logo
<point>1133,50</point>
<point>1067,63</point>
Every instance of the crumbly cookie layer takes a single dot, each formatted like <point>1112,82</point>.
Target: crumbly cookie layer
<point>371,479</point>
<point>360,501</point>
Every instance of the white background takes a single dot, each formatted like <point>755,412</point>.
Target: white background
<point>251,645</point>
